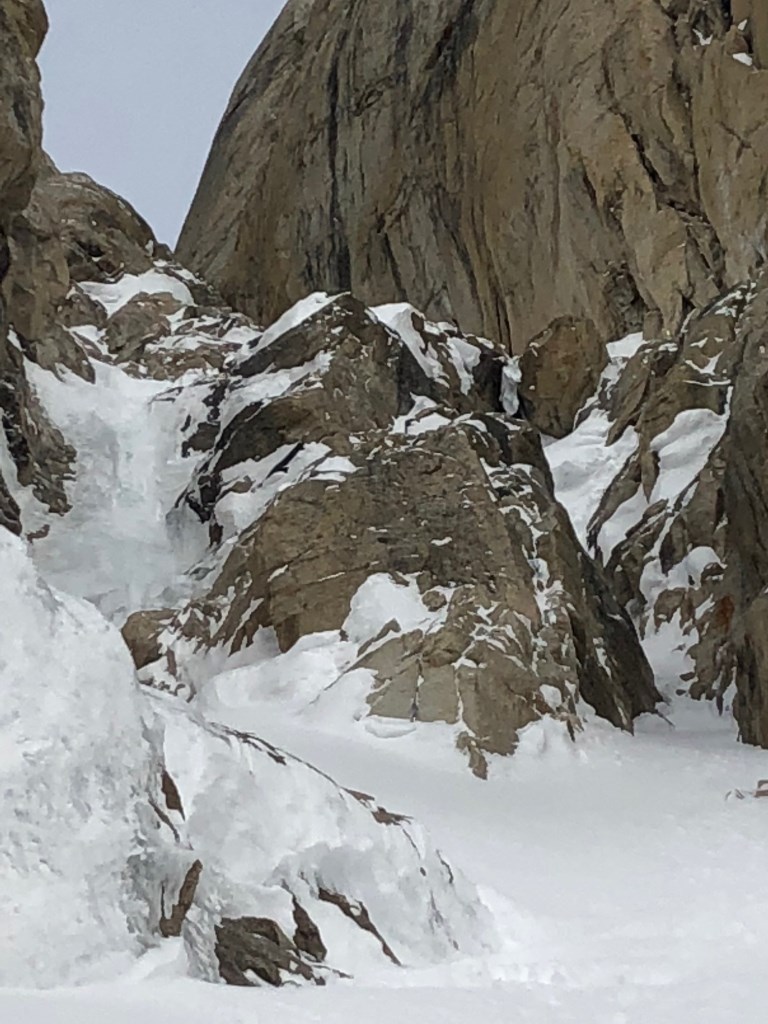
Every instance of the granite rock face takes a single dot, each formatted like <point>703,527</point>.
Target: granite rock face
<point>610,168</point>
<point>605,178</point>
<point>23,25</point>
<point>360,478</point>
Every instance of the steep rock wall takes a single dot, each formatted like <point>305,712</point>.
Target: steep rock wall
<point>503,164</point>
<point>22,30</point>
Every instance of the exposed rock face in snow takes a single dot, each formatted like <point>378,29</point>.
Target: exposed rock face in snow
<point>23,25</point>
<point>282,843</point>
<point>560,369</point>
<point>745,494</point>
<point>678,514</point>
<point>192,830</point>
<point>125,818</point>
<point>22,29</point>
<point>72,230</point>
<point>610,166</point>
<point>360,478</point>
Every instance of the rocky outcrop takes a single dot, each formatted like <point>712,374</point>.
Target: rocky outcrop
<point>23,25</point>
<point>356,513</point>
<point>71,231</point>
<point>261,896</point>
<point>22,29</point>
<point>257,948</point>
<point>413,519</point>
<point>194,831</point>
<point>680,519</point>
<point>660,528</point>
<point>92,314</point>
<point>610,169</point>
<point>72,236</point>
<point>560,369</point>
<point>745,510</point>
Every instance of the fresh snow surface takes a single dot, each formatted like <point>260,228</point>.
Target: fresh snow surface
<point>627,884</point>
<point>583,464</point>
<point>153,282</point>
<point>684,450</point>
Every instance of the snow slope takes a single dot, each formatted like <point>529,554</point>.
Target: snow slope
<point>636,886</point>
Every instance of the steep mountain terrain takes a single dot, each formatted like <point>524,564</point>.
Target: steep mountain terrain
<point>606,176</point>
<point>271,596</point>
<point>503,164</point>
<point>128,819</point>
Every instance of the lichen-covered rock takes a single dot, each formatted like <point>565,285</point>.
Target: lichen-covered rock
<point>611,165</point>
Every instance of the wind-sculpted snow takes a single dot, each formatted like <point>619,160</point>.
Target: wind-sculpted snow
<point>74,769</point>
<point>272,831</point>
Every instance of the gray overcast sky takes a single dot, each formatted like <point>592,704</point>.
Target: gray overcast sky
<point>135,89</point>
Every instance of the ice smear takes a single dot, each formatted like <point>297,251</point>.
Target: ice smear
<point>119,547</point>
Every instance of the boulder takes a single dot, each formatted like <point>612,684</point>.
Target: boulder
<point>560,369</point>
